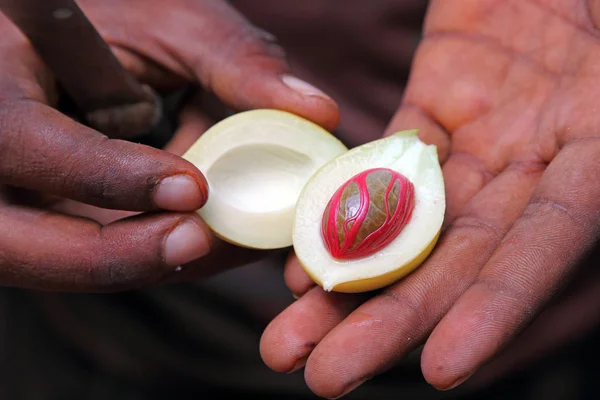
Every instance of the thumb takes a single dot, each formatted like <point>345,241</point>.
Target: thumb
<point>246,69</point>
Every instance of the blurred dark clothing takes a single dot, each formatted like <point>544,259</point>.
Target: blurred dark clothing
<point>200,340</point>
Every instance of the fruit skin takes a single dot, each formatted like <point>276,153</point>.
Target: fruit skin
<point>378,282</point>
<point>345,241</point>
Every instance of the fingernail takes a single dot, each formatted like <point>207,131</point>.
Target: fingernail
<point>458,382</point>
<point>303,87</point>
<point>187,242</point>
<point>299,364</point>
<point>351,388</point>
<point>178,193</point>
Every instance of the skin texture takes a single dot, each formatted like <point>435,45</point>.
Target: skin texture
<point>514,120</point>
<point>83,212</point>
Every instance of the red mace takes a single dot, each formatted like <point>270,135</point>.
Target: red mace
<point>367,212</point>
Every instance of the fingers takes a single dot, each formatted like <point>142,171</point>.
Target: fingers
<point>246,69</point>
<point>386,328</point>
<point>211,43</point>
<point>43,150</point>
<point>222,255</point>
<point>573,317</point>
<point>192,124</point>
<point>291,336</point>
<point>47,251</point>
<point>295,278</point>
<point>147,71</point>
<point>558,227</point>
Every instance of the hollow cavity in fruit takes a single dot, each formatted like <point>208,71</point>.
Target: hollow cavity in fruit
<point>256,164</point>
<point>396,253</point>
<point>367,212</point>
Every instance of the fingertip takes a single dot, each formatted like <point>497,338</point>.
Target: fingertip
<point>436,368</point>
<point>188,241</point>
<point>294,339</point>
<point>290,338</point>
<point>182,192</point>
<point>447,359</point>
<point>295,278</point>
<point>302,87</point>
<point>269,90</point>
<point>275,347</point>
<point>312,103</point>
<point>436,373</point>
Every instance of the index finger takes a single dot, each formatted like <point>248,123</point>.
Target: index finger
<point>43,150</point>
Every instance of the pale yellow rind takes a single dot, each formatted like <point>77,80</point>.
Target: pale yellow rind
<point>256,164</point>
<point>378,282</point>
<point>403,152</point>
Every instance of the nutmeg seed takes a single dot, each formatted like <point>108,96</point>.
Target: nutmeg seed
<point>366,213</point>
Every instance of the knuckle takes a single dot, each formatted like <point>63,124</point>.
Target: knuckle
<point>88,176</point>
<point>544,207</point>
<point>527,168</point>
<point>251,40</point>
<point>246,48</point>
<point>401,301</point>
<point>109,270</point>
<point>593,11</point>
<point>12,142</point>
<point>267,44</point>
<point>118,263</point>
<point>505,295</point>
<point>68,175</point>
<point>108,273</point>
<point>477,226</point>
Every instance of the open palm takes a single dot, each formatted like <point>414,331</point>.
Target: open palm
<point>506,89</point>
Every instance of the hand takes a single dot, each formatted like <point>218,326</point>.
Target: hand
<point>505,89</point>
<point>83,212</point>
<point>567,323</point>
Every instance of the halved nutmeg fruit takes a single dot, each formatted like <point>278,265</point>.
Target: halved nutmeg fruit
<point>378,210</point>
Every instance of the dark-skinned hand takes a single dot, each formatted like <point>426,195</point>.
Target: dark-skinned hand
<point>506,90</point>
<point>80,211</point>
